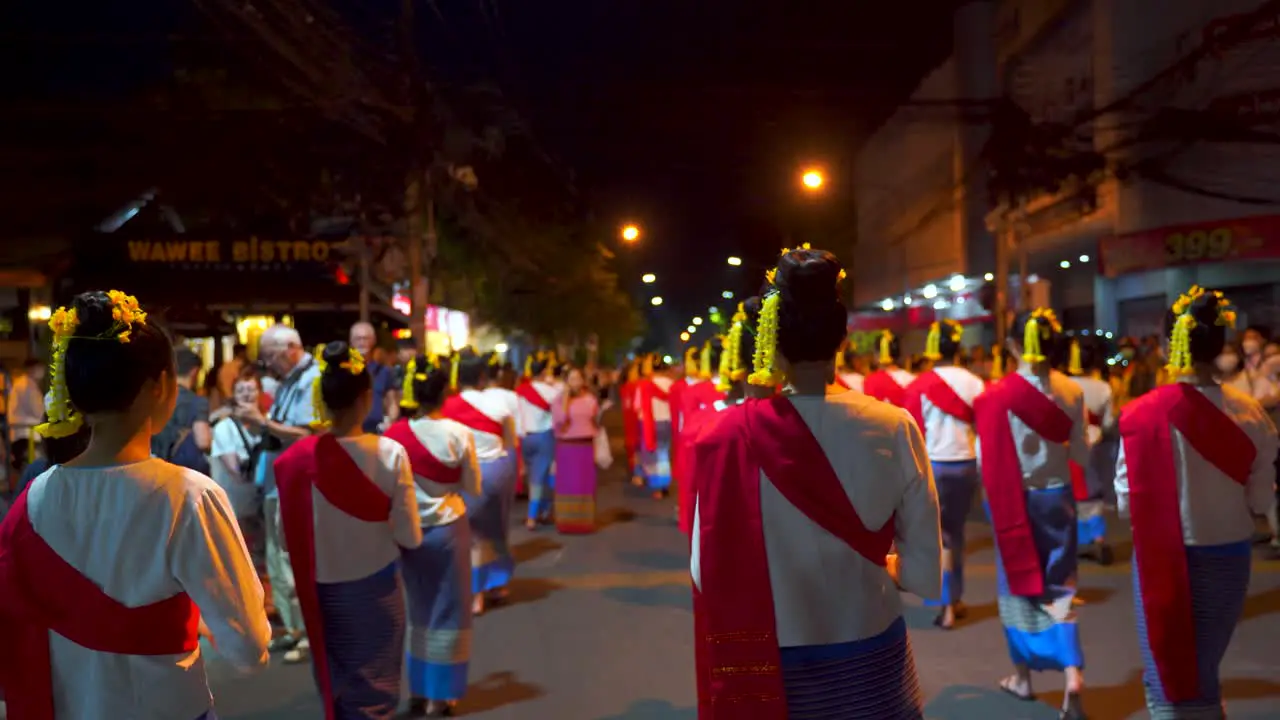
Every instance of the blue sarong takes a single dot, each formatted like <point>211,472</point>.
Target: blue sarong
<point>539,450</point>
<point>1219,576</point>
<point>957,482</point>
<point>1091,523</point>
<point>364,640</point>
<point>437,578</point>
<point>657,464</point>
<point>490,515</point>
<point>870,678</point>
<point>1042,632</point>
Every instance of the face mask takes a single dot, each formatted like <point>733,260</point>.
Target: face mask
<point>1252,347</point>
<point>1227,363</point>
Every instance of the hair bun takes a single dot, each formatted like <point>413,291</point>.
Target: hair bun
<point>809,277</point>
<point>335,353</point>
<point>93,311</point>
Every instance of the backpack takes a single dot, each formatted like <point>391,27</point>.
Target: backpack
<point>186,453</point>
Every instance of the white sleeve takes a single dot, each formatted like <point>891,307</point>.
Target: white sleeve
<point>695,553</point>
<point>917,528</point>
<point>406,526</point>
<point>1261,488</point>
<point>211,563</point>
<point>225,440</point>
<point>1122,483</point>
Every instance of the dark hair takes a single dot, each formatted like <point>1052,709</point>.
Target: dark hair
<point>561,371</point>
<point>1051,340</point>
<point>660,363</point>
<point>64,449</point>
<point>716,350</point>
<point>811,318</point>
<point>104,374</point>
<point>948,348</point>
<point>473,369</point>
<point>747,344</point>
<point>1090,355</point>
<point>186,361</point>
<point>1207,338</point>
<point>430,383</point>
<point>539,364</point>
<point>339,387</point>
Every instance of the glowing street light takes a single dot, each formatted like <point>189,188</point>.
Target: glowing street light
<point>727,294</point>
<point>656,301</point>
<point>684,337</point>
<point>501,347</point>
<point>630,233</point>
<point>735,260</point>
<point>648,278</point>
<point>989,277</point>
<point>697,321</point>
<point>813,180</point>
<point>957,283</point>
<point>691,329</point>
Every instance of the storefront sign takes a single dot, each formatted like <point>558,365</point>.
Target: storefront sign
<point>231,252</point>
<point>1256,238</point>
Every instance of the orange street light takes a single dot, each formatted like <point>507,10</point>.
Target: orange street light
<point>813,180</point>
<point>630,233</point>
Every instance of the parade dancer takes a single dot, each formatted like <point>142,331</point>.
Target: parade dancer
<point>1030,428</point>
<point>699,408</point>
<point>847,370</point>
<point>1091,483</point>
<point>656,432</point>
<point>941,401</point>
<point>489,512</point>
<point>630,421</point>
<point>889,381</point>
<point>536,397</point>
<point>437,574</point>
<point>1195,467</point>
<point>347,507</point>
<point>113,563</point>
<point>792,574</point>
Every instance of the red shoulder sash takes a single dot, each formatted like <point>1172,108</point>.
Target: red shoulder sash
<point>1154,507</point>
<point>458,409</point>
<point>649,392</point>
<point>881,386</point>
<point>40,592</point>
<point>1002,472</point>
<point>530,394</point>
<point>841,382</point>
<point>738,654</point>
<point>931,385</point>
<point>423,462</point>
<point>319,461</point>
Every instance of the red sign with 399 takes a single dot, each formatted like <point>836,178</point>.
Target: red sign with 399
<point>1218,241</point>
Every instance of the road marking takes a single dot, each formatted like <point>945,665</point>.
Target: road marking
<point>651,579</point>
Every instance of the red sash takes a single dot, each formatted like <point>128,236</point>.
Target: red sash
<point>1154,509</point>
<point>319,461</point>
<point>424,464</point>
<point>739,663</point>
<point>1093,418</point>
<point>840,381</point>
<point>650,392</point>
<point>40,592</point>
<point>881,386</point>
<point>531,395</point>
<point>1002,472</point>
<point>943,396</point>
<point>701,411</point>
<point>629,435</point>
<point>457,409</point>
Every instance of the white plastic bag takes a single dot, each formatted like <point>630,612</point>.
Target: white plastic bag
<point>604,454</point>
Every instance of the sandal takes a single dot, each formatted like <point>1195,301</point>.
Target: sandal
<point>1073,708</point>
<point>1011,685</point>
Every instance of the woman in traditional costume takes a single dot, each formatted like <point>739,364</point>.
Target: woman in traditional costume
<point>536,396</point>
<point>348,506</point>
<point>941,401</point>
<point>656,434</point>
<point>1195,466</point>
<point>437,573</point>
<point>576,420</point>
<point>630,421</point>
<point>1030,428</point>
<point>490,421</point>
<point>889,381</point>
<point>848,375</point>
<point>115,550</point>
<point>792,572</point>
<point>1093,481</point>
<point>699,408</point>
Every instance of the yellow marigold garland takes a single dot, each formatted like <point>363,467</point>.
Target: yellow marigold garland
<point>886,348</point>
<point>704,362</point>
<point>730,371</point>
<point>318,409</point>
<point>453,371</point>
<point>1031,334</point>
<point>764,367</point>
<point>691,362</point>
<point>933,344</point>
<point>1180,362</point>
<point>1075,365</point>
<point>408,400</point>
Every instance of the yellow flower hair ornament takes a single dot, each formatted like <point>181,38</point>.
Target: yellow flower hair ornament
<point>704,362</point>
<point>354,363</point>
<point>528,366</point>
<point>318,409</point>
<point>1043,322</point>
<point>886,348</point>
<point>453,371</point>
<point>64,421</point>
<point>691,362</point>
<point>407,399</point>
<point>933,344</point>
<point>1180,362</point>
<point>764,365</point>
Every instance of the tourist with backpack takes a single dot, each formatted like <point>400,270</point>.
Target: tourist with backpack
<point>186,439</point>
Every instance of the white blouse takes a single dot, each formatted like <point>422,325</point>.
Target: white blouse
<point>1215,509</point>
<point>1046,464</point>
<point>824,592</point>
<point>453,444</point>
<point>495,407</point>
<point>948,438</point>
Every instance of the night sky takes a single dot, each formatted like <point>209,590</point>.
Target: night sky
<point>692,119</point>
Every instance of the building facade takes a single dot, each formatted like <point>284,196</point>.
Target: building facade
<point>1178,98</point>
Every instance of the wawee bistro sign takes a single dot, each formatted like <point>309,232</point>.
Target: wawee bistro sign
<point>215,254</point>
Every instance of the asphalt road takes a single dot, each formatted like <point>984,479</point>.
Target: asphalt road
<point>600,628</point>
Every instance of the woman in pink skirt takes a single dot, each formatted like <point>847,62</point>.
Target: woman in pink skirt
<point>576,420</point>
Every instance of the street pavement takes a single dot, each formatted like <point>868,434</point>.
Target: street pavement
<point>600,628</point>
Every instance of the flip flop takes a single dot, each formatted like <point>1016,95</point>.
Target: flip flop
<point>1007,685</point>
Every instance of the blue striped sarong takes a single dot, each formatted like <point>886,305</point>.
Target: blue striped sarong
<point>657,464</point>
<point>1219,576</point>
<point>1091,524</point>
<point>870,678</point>
<point>437,576</point>
<point>957,482</point>
<point>490,516</point>
<point>364,641</point>
<point>539,450</point>
<point>1042,632</point>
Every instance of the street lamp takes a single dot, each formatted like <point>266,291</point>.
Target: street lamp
<point>735,260</point>
<point>656,301</point>
<point>697,321</point>
<point>684,337</point>
<point>813,180</point>
<point>648,278</point>
<point>691,329</point>
<point>630,233</point>
<point>727,294</point>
